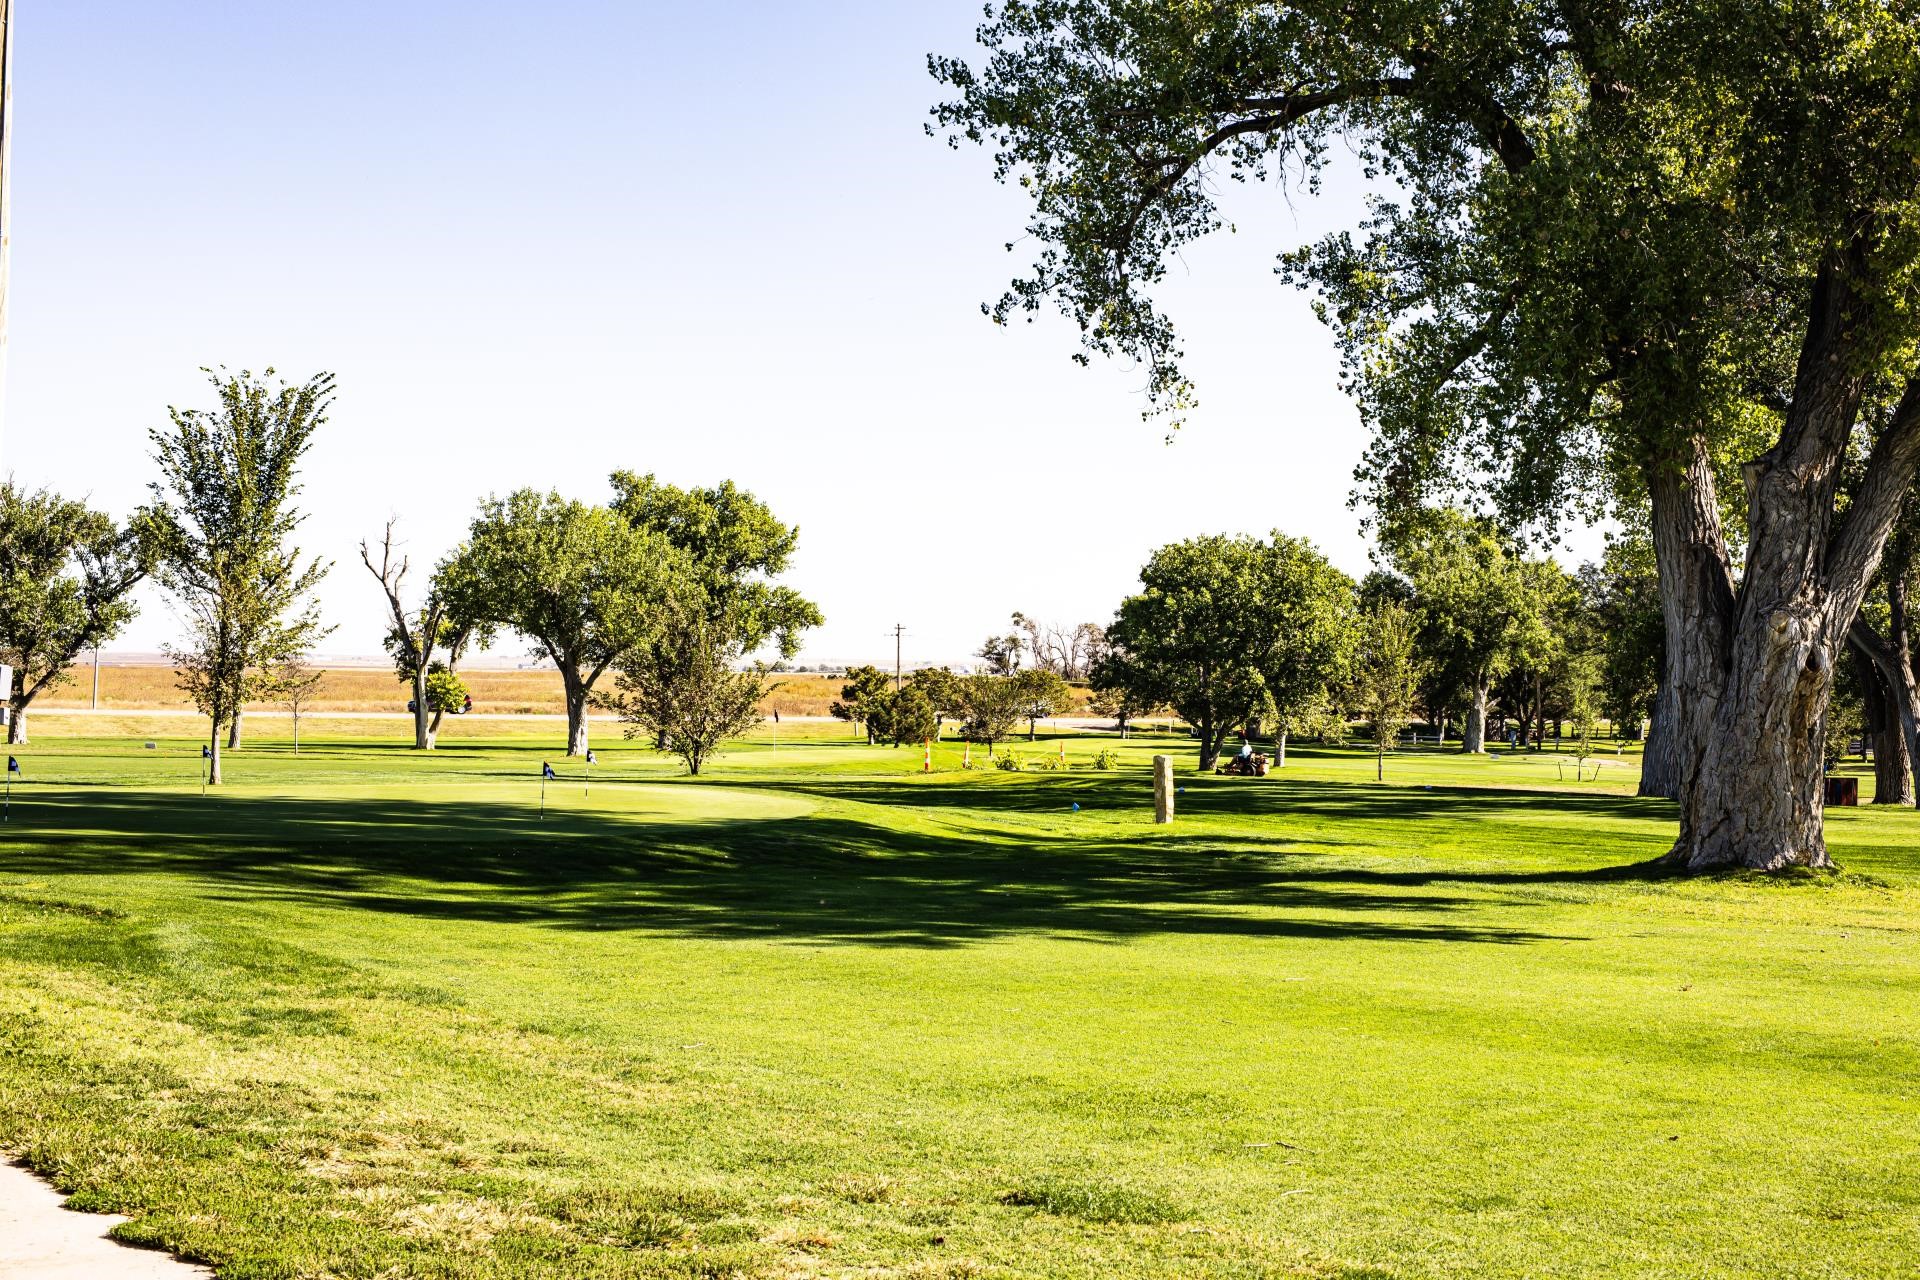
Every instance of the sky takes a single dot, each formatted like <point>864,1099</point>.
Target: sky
<point>536,243</point>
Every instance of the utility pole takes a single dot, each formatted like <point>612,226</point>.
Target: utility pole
<point>899,629</point>
<point>6,189</point>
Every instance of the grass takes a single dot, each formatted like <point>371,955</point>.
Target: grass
<point>365,1014</point>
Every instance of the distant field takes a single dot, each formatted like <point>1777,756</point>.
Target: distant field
<point>537,692</point>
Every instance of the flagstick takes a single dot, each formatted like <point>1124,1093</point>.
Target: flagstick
<point>543,795</point>
<point>6,814</point>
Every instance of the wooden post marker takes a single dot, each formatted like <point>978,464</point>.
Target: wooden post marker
<point>1162,789</point>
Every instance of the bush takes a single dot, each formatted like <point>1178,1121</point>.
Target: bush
<point>1049,763</point>
<point>445,690</point>
<point>1106,759</point>
<point>1007,762</point>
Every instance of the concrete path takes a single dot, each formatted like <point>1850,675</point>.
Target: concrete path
<point>41,1241</point>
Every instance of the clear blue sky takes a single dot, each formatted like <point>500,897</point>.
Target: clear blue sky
<point>538,242</point>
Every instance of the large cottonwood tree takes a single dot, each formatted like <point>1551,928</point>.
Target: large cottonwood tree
<point>1627,251</point>
<point>581,582</point>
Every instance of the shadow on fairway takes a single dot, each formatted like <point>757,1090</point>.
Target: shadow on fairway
<point>829,876</point>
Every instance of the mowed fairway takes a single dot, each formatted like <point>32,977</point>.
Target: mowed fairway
<point>362,1013</point>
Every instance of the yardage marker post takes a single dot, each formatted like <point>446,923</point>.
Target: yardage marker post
<point>1162,790</point>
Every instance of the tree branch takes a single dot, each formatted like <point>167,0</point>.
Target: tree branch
<point>1857,545</point>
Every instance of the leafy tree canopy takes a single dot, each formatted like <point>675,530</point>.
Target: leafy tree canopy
<point>66,574</point>
<point>735,547</point>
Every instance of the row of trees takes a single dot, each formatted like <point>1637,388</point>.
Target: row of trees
<point>1657,258</point>
<point>987,705</point>
<point>1265,636</point>
<point>672,590</point>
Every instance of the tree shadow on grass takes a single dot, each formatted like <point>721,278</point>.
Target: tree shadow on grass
<point>828,877</point>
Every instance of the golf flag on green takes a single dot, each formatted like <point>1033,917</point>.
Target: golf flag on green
<point>6,808</point>
<point>546,772</point>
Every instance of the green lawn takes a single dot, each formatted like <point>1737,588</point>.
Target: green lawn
<point>364,1014</point>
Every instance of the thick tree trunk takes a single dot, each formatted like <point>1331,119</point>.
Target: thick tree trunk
<point>17,726</point>
<point>422,718</point>
<point>1893,781</point>
<point>1210,744</point>
<point>213,764</point>
<point>576,723</point>
<point>1896,677</point>
<point>1756,797</point>
<point>1473,738</point>
<point>233,731</point>
<point>1280,750</point>
<point>1696,604</point>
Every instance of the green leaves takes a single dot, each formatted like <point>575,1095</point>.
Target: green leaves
<point>66,572</point>
<point>1225,625</point>
<point>579,580</point>
<point>222,524</point>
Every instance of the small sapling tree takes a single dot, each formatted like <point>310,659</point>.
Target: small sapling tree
<point>683,692</point>
<point>296,683</point>
<point>1384,677</point>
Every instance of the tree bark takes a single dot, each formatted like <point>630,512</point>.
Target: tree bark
<point>1210,743</point>
<point>1885,733</point>
<point>577,690</point>
<point>1696,606</point>
<point>1756,799</point>
<point>422,718</point>
<point>213,764</point>
<point>1473,737</point>
<point>1280,749</point>
<point>1896,676</point>
<point>233,730</point>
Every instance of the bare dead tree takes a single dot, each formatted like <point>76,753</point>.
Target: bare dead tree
<point>415,632</point>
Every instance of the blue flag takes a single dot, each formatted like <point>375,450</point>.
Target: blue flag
<point>206,752</point>
<point>546,770</point>
<point>13,766</point>
<point>591,758</point>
